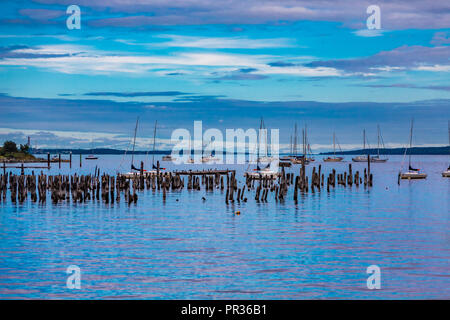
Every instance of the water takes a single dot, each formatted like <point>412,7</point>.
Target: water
<point>194,249</point>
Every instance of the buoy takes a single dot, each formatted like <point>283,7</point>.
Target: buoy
<point>237,212</point>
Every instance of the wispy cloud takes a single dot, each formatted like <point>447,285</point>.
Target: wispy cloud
<point>369,33</point>
<point>441,38</point>
<point>408,86</point>
<point>224,42</point>
<point>404,57</point>
<point>73,59</point>
<point>281,64</point>
<point>138,94</point>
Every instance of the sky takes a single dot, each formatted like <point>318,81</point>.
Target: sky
<point>227,63</point>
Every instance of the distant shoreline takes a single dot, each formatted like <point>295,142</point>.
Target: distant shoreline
<point>397,151</point>
<point>387,151</point>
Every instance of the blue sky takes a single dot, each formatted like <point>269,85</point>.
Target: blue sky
<point>224,62</point>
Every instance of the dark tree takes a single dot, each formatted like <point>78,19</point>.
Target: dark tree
<point>9,146</point>
<point>24,148</point>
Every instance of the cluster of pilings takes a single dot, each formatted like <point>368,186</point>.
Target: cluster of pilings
<point>63,188</point>
<point>303,184</point>
<point>110,188</point>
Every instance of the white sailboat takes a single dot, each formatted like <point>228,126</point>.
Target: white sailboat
<point>307,154</point>
<point>295,158</point>
<point>259,172</point>
<point>305,158</point>
<point>190,160</point>
<point>265,157</point>
<point>135,171</point>
<point>153,151</point>
<point>446,173</point>
<point>91,156</point>
<point>377,158</point>
<point>210,157</point>
<point>362,158</point>
<point>334,158</point>
<point>412,173</point>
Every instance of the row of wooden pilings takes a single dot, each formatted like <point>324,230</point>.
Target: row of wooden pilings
<point>62,188</point>
<point>108,188</point>
<point>301,182</point>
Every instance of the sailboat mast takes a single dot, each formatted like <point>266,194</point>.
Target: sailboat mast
<point>306,141</point>
<point>290,146</point>
<point>449,140</point>
<point>410,141</point>
<point>294,146</point>
<point>303,141</point>
<point>154,142</point>
<point>265,138</point>
<point>134,141</point>
<point>259,144</point>
<point>378,131</point>
<point>334,144</point>
<point>449,132</point>
<point>364,139</point>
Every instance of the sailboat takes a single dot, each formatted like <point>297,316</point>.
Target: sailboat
<point>135,170</point>
<point>261,172</point>
<point>288,157</point>
<point>446,173</point>
<point>334,158</point>
<point>154,144</point>
<point>91,156</point>
<point>362,158</point>
<point>210,157</point>
<point>265,157</point>
<point>190,159</point>
<point>412,173</point>
<point>295,158</point>
<point>307,148</point>
<point>377,158</point>
<point>310,159</point>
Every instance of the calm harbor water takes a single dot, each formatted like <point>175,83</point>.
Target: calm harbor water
<point>187,248</point>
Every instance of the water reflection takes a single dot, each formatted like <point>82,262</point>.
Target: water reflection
<point>318,248</point>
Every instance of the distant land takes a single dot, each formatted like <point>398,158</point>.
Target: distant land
<point>97,151</point>
<point>416,150</point>
<point>394,151</point>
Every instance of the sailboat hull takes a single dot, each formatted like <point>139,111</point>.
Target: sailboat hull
<point>168,158</point>
<point>359,159</point>
<point>336,159</point>
<point>378,160</point>
<point>262,174</point>
<point>130,175</point>
<point>299,161</point>
<point>411,175</point>
<point>372,159</point>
